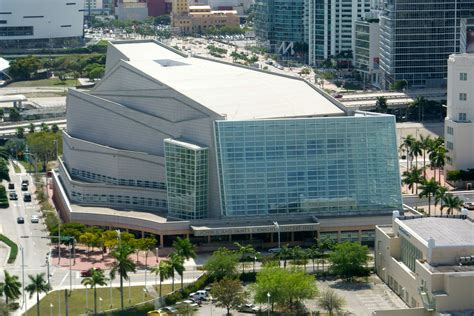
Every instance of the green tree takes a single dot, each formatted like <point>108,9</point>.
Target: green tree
<point>54,128</point>
<point>31,128</point>
<point>42,146</point>
<point>412,178</point>
<point>222,263</point>
<point>37,286</point>
<point>451,203</point>
<point>184,248</point>
<point>439,196</point>
<point>286,287</point>
<point>10,287</point>
<point>407,143</point>
<point>20,132</point>
<point>147,245</point>
<point>398,85</point>
<point>122,266</point>
<point>246,252</point>
<point>415,151</point>
<point>177,264</point>
<point>14,115</point>
<point>24,68</point>
<point>164,270</point>
<point>425,145</point>
<point>428,189</point>
<point>89,239</point>
<point>229,294</point>
<point>331,302</point>
<point>4,175</point>
<point>348,260</point>
<point>420,103</point>
<point>381,105</point>
<point>97,278</point>
<point>96,73</point>
<point>438,160</point>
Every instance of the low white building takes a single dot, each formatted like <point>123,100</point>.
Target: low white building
<point>38,24</point>
<point>459,122</point>
<point>429,263</point>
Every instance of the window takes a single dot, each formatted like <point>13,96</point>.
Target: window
<point>462,116</point>
<point>463,76</point>
<point>463,96</point>
<point>16,31</point>
<point>449,145</point>
<point>449,130</point>
<point>3,21</point>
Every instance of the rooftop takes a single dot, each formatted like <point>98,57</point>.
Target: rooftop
<point>234,91</point>
<point>445,231</point>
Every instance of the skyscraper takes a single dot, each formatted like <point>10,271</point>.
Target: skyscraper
<point>417,37</point>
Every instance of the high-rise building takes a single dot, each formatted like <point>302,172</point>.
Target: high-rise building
<point>279,25</point>
<point>459,122</point>
<point>171,144</point>
<point>330,26</point>
<point>417,37</point>
<point>367,51</point>
<point>40,24</point>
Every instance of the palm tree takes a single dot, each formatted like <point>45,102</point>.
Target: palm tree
<point>381,105</point>
<point>184,248</point>
<point>11,287</point>
<point>415,151</point>
<point>122,265</point>
<point>97,278</point>
<point>407,143</point>
<point>313,253</point>
<point>428,189</point>
<point>177,264</point>
<point>452,203</point>
<point>439,196</point>
<point>164,269</point>
<point>412,178</point>
<point>38,285</point>
<point>439,160</point>
<point>244,251</point>
<point>284,253</point>
<point>425,145</point>
<point>420,102</point>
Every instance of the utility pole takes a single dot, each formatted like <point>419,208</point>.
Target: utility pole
<point>23,276</point>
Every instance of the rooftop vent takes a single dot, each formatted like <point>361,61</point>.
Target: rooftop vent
<point>169,62</point>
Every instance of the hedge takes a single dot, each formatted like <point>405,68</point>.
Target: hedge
<point>13,248</point>
<point>3,197</point>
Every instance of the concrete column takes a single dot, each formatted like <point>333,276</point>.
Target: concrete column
<point>360,236</point>
<point>271,238</point>
<point>187,236</point>
<point>230,237</point>
<point>338,236</point>
<point>143,234</point>
<point>292,236</point>
<point>162,241</point>
<point>208,239</point>
<point>250,237</point>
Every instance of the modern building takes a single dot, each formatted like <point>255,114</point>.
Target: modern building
<point>330,26</point>
<point>131,10</point>
<point>367,51</point>
<point>171,144</point>
<point>279,26</point>
<point>417,37</point>
<point>459,121</point>
<point>40,24</point>
<point>429,263</point>
<point>186,19</point>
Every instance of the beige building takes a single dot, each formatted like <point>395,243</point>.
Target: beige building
<point>186,19</point>
<point>429,263</point>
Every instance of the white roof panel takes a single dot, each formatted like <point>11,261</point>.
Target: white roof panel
<point>235,92</point>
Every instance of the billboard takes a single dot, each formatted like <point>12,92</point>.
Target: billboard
<point>470,40</point>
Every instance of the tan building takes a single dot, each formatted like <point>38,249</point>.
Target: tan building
<point>186,19</point>
<point>429,263</point>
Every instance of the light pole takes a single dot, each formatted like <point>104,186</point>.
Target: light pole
<point>100,303</point>
<point>144,294</point>
<point>129,292</point>
<point>47,267</point>
<point>23,276</point>
<point>268,302</point>
<point>110,293</point>
<point>156,251</point>
<point>278,230</point>
<point>87,299</point>
<point>51,309</point>
<point>70,270</point>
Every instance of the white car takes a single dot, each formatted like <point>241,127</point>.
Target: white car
<point>34,219</point>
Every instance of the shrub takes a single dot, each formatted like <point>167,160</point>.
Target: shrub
<point>248,277</point>
<point>3,197</point>
<point>13,248</point>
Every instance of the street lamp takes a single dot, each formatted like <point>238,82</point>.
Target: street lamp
<point>47,267</point>
<point>278,230</point>
<point>100,303</point>
<point>51,309</point>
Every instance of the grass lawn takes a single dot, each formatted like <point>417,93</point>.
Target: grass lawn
<point>77,301</point>
<point>43,83</point>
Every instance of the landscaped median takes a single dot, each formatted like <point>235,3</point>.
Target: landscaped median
<point>13,248</point>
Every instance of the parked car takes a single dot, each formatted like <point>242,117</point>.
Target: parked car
<point>274,250</point>
<point>27,197</point>
<point>469,205</point>
<point>200,295</point>
<point>35,219</point>
<point>190,303</point>
<point>20,220</point>
<point>25,181</point>
<point>249,308</point>
<point>337,95</point>
<point>11,186</point>
<point>24,187</point>
<point>13,196</point>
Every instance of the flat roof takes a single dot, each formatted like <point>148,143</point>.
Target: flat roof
<point>446,231</point>
<point>234,91</point>
<point>12,98</point>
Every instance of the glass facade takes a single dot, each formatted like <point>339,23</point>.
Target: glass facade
<point>325,166</point>
<point>417,36</point>
<point>278,21</point>
<point>187,179</point>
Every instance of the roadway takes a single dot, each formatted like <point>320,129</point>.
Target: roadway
<point>10,129</point>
